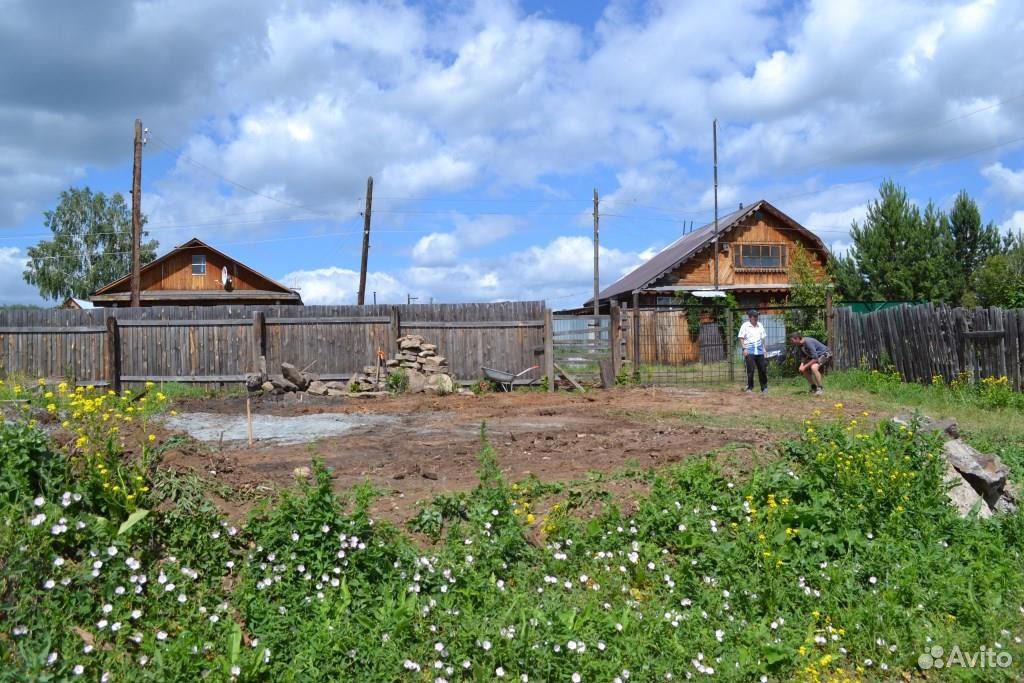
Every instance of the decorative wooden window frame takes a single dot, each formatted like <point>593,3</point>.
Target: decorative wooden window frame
<point>741,252</point>
<point>199,261</point>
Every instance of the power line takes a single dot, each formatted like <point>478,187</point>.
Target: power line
<point>166,145</point>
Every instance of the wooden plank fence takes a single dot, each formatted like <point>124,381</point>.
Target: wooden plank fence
<point>926,341</point>
<point>220,344</point>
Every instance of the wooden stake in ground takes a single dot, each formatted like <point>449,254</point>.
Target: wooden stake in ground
<point>248,418</point>
<point>136,215</point>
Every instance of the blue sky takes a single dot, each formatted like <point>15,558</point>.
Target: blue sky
<point>488,124</point>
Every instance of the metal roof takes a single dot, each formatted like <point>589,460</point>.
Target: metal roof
<point>688,245</point>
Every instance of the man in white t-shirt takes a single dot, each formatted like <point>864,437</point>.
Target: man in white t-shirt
<point>752,335</point>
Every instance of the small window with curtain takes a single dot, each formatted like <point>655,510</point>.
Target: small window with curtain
<point>759,257</point>
<point>199,264</point>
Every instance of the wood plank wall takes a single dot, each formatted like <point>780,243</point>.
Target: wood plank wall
<point>664,338</point>
<point>332,340</point>
<point>925,341</point>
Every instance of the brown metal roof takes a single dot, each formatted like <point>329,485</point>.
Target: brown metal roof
<point>689,244</point>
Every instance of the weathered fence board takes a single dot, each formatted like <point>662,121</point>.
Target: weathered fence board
<point>927,341</point>
<point>218,344</point>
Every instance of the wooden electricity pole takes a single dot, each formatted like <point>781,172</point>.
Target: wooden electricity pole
<point>366,240</point>
<point>597,241</point>
<point>714,144</point>
<point>136,214</point>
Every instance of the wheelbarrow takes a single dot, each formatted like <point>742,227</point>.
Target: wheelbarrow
<point>506,380</point>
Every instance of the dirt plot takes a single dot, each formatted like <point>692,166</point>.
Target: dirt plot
<point>429,444</point>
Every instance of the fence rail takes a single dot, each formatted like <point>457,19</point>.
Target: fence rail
<point>220,344</point>
<point>925,341</point>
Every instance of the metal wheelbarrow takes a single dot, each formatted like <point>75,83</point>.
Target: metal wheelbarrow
<point>506,380</point>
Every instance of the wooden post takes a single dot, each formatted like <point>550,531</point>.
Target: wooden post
<point>615,316</point>
<point>549,351</point>
<point>636,336</point>
<point>136,215</point>
<point>597,267</point>
<point>366,241</point>
<point>729,343</point>
<point>248,418</point>
<point>829,320</point>
<point>259,342</point>
<point>394,330</point>
<point>113,354</point>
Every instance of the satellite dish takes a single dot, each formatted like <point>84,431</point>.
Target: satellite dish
<point>225,279</point>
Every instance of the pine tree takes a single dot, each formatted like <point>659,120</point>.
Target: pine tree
<point>972,244</point>
<point>897,254</point>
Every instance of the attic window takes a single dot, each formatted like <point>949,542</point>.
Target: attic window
<point>760,257</point>
<point>199,264</point>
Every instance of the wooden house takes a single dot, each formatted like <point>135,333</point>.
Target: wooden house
<point>755,248</point>
<point>196,274</point>
<point>74,304</point>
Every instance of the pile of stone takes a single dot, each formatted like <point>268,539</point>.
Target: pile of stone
<point>417,360</point>
<point>979,481</point>
<point>424,370</point>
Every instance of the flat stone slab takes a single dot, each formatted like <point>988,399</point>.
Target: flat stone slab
<point>284,430</point>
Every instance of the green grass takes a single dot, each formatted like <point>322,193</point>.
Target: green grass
<point>989,414</point>
<point>841,561</point>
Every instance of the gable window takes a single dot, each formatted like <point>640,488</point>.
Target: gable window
<point>759,256</point>
<point>199,264</point>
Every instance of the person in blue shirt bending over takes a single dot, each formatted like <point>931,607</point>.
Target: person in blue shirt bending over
<point>752,335</point>
<point>813,357</point>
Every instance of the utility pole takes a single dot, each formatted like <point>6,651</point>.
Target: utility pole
<point>136,214</point>
<point>366,241</point>
<point>597,241</point>
<point>714,145</point>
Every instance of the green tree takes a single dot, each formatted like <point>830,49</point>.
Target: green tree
<point>91,245</point>
<point>972,244</point>
<point>807,291</point>
<point>898,253</point>
<point>1000,279</point>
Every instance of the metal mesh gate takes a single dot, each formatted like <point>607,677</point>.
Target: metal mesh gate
<point>697,345</point>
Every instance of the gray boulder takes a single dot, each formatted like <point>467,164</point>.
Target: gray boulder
<point>963,496</point>
<point>317,388</point>
<point>441,384</point>
<point>296,378</point>
<point>983,471</point>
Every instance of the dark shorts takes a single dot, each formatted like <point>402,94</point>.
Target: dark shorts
<point>822,360</point>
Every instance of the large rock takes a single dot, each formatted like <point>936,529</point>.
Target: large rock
<point>983,471</point>
<point>1009,501</point>
<point>963,496</point>
<point>337,386</point>
<point>317,388</point>
<point>947,426</point>
<point>441,384</point>
<point>267,386</point>
<point>410,343</point>
<point>293,375</point>
<point>417,382</point>
<point>282,384</point>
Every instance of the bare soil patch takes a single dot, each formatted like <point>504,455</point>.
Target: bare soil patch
<point>429,444</point>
